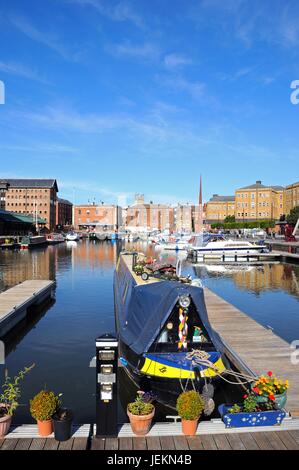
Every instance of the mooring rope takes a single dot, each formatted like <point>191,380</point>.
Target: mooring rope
<point>199,357</point>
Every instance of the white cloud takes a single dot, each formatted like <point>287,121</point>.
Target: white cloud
<point>49,40</point>
<point>18,69</point>
<point>176,60</point>
<point>146,51</point>
<point>121,11</point>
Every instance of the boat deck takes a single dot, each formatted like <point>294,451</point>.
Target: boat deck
<point>253,348</point>
<point>139,281</point>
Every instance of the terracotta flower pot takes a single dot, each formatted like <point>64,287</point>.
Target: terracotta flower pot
<point>45,428</point>
<point>189,426</point>
<point>141,424</point>
<point>5,423</point>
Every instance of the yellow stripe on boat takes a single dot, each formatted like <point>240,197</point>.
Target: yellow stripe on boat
<point>157,369</point>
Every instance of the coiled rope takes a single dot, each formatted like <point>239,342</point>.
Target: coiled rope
<point>198,357</point>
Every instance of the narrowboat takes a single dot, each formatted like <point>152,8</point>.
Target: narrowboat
<point>160,322</point>
<point>33,241</point>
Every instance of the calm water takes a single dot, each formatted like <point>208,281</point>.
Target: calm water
<point>60,340</point>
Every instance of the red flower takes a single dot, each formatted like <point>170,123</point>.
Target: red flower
<point>270,373</point>
<point>271,397</point>
<point>255,389</point>
<point>245,396</point>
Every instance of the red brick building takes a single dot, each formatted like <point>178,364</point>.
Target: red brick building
<point>35,197</point>
<point>64,212</point>
<point>92,216</point>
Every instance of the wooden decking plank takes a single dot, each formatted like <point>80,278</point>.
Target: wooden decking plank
<point>153,443</point>
<point>253,345</point>
<point>195,442</point>
<point>80,443</point>
<point>125,443</point>
<point>288,440</point>
<point>262,441</point>
<point>23,444</point>
<point>276,443</point>
<point>51,444</point>
<point>180,443</point>
<point>140,443</point>
<point>222,442</point>
<point>167,443</point>
<point>9,444</point>
<point>208,442</point>
<point>295,435</point>
<point>66,445</point>
<point>248,441</point>
<point>235,441</point>
<point>111,443</point>
<point>97,443</point>
<point>37,444</point>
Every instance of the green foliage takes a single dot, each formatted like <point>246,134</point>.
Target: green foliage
<point>230,218</point>
<point>263,224</point>
<point>235,409</point>
<point>44,405</point>
<point>190,405</point>
<point>293,216</point>
<point>250,403</point>
<point>140,407</point>
<point>12,391</point>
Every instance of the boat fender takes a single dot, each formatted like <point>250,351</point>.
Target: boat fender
<point>123,361</point>
<point>197,374</point>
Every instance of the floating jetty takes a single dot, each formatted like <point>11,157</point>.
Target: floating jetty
<point>16,301</point>
<point>253,348</point>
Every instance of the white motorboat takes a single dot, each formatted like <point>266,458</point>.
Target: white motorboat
<point>72,237</point>
<point>215,245</point>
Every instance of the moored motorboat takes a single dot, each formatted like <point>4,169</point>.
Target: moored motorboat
<point>160,323</point>
<point>216,245</point>
<point>72,237</point>
<point>54,238</point>
<point>32,241</point>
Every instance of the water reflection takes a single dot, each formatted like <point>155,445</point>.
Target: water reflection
<point>60,338</point>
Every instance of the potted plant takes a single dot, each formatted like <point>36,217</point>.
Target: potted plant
<point>269,387</point>
<point>9,399</point>
<point>251,413</point>
<point>190,406</point>
<point>63,420</point>
<point>141,413</point>
<point>42,408</point>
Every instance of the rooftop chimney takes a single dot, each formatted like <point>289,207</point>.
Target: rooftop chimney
<point>258,182</point>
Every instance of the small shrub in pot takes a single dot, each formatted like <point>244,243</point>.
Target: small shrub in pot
<point>190,406</point>
<point>42,408</point>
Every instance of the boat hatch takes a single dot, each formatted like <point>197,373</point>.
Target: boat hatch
<point>183,331</point>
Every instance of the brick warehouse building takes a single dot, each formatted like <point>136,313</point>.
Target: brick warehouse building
<point>92,216</point>
<point>35,197</point>
<point>64,213</point>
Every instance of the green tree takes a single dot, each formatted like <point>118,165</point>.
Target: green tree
<point>230,218</point>
<point>293,216</point>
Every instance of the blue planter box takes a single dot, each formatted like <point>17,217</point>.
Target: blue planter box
<point>259,418</point>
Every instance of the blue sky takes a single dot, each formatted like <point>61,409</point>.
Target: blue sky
<point>114,97</point>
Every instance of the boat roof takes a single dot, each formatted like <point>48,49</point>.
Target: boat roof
<point>150,304</point>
